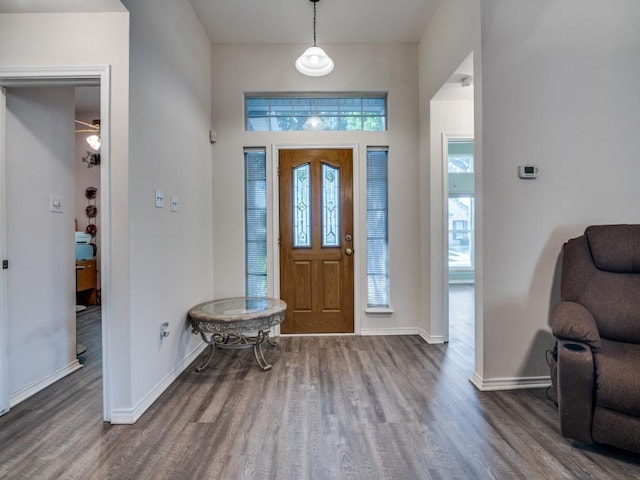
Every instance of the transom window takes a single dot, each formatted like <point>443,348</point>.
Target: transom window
<point>364,112</point>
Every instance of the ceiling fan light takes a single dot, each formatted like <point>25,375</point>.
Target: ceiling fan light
<point>94,141</point>
<point>314,62</point>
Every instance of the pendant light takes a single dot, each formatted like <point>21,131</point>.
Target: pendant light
<point>314,62</point>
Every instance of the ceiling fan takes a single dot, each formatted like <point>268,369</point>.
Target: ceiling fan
<point>94,128</point>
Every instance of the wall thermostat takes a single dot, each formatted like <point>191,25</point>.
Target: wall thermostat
<point>528,171</point>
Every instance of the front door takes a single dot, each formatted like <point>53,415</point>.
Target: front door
<point>316,240</point>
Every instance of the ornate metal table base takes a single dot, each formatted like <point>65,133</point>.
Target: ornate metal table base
<point>232,323</point>
<point>232,341</point>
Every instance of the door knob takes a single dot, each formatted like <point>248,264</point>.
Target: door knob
<point>348,252</point>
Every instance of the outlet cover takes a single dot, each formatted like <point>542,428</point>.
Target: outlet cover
<point>159,199</point>
<point>174,203</point>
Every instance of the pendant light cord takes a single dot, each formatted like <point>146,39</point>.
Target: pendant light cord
<point>314,22</point>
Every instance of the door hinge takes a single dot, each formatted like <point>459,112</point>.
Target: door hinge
<point>278,242</point>
<point>5,264</point>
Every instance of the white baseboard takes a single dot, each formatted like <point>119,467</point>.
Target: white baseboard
<point>42,383</point>
<point>128,416</point>
<point>431,339</point>
<point>509,383</point>
<point>389,331</point>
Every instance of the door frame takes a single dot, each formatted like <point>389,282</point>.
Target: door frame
<point>63,76</point>
<point>446,137</point>
<point>360,244</point>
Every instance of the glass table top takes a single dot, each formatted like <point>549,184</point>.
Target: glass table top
<point>238,308</point>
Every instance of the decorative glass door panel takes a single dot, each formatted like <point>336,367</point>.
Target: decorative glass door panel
<point>330,206</point>
<point>302,207</point>
<point>316,240</point>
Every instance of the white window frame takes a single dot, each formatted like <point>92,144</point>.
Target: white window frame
<point>246,237</point>
<point>313,113</point>
<point>382,308</point>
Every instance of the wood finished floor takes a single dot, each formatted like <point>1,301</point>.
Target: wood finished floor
<point>388,407</point>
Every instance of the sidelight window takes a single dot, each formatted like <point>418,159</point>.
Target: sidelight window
<point>255,221</point>
<point>377,229</point>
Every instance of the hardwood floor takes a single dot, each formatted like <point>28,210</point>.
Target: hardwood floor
<point>388,407</point>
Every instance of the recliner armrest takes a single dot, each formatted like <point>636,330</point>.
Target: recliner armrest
<point>576,377</point>
<point>571,321</point>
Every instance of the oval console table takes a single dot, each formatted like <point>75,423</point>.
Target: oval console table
<point>239,322</point>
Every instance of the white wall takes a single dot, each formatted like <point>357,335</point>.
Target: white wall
<point>41,278</point>
<point>79,40</point>
<point>559,93</point>
<point>270,68</point>
<point>171,252</point>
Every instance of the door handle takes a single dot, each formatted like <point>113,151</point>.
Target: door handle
<point>348,252</point>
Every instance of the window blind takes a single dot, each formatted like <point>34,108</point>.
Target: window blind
<point>256,221</point>
<point>377,229</point>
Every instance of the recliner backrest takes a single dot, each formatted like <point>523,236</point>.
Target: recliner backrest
<point>601,271</point>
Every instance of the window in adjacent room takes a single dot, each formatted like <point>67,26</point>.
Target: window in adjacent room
<point>255,168</point>
<point>377,229</point>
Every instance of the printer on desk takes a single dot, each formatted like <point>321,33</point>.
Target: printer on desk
<point>85,250</point>
<point>86,270</point>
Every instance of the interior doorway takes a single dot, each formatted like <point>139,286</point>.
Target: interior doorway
<point>40,79</point>
<point>451,118</point>
<point>87,209</point>
<point>459,191</point>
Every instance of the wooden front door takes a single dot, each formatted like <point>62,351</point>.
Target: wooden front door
<point>316,240</point>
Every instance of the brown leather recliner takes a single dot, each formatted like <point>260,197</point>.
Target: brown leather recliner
<point>597,325</point>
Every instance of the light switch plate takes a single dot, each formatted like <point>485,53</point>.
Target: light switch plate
<point>56,203</point>
<point>159,199</point>
<point>174,203</point>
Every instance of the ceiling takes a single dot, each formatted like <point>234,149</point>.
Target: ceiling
<point>87,99</point>
<point>291,21</point>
